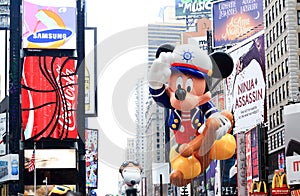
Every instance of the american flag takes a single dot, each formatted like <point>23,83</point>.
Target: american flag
<point>32,160</point>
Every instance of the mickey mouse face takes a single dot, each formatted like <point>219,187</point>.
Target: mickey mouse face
<point>186,91</point>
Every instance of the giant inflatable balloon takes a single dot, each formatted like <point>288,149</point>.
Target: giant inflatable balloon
<point>131,173</point>
<point>179,79</point>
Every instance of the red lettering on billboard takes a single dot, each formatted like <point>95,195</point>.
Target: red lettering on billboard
<point>296,165</point>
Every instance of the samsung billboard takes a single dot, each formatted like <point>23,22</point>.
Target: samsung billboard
<point>49,24</point>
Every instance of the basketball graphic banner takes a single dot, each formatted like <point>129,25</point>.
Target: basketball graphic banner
<point>49,98</point>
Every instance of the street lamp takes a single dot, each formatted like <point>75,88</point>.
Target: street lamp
<point>46,182</point>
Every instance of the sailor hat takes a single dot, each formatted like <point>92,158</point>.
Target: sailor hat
<point>190,59</point>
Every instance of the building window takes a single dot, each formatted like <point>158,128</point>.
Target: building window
<point>272,99</point>
<point>267,39</point>
<point>273,12</point>
<point>285,43</point>
<point>275,71</point>
<point>280,5</point>
<point>270,121</point>
<point>279,71</point>
<point>276,96</point>
<point>287,89</point>
<point>279,89</point>
<point>286,66</point>
<point>271,56</point>
<point>275,53</point>
<point>298,40</point>
<point>298,14</point>
<point>274,31</point>
<point>269,143</point>
<point>282,69</point>
<point>269,101</point>
<point>281,115</point>
<point>272,77</point>
<point>274,120</point>
<point>284,21</point>
<point>280,23</point>
<point>268,60</point>
<point>283,91</point>
<point>278,51</point>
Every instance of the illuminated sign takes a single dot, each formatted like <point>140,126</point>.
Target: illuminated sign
<point>9,167</point>
<point>49,98</point>
<point>193,7</point>
<point>49,24</point>
<point>236,20</point>
<point>293,169</point>
<point>51,158</point>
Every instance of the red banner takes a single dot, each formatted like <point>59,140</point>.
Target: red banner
<point>281,191</point>
<point>49,98</point>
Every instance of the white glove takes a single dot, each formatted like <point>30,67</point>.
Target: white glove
<point>225,125</point>
<point>160,72</point>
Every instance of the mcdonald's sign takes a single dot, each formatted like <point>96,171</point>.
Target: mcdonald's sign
<point>279,185</point>
<point>257,189</point>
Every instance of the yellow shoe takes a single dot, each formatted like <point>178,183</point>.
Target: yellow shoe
<point>223,148</point>
<point>190,167</point>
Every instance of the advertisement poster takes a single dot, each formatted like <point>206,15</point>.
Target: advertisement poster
<point>241,164</point>
<point>210,185</point>
<point>51,158</point>
<point>254,153</point>
<point>91,157</point>
<point>229,176</point>
<point>291,116</point>
<point>3,129</point>
<point>90,82</point>
<point>236,20</point>
<point>185,8</point>
<point>49,24</point>
<point>49,92</point>
<point>248,160</point>
<point>200,41</point>
<point>9,167</point>
<point>4,51</point>
<point>245,91</point>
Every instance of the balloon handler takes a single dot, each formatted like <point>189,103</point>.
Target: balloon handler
<point>179,80</point>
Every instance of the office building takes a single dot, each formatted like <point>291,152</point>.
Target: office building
<point>282,33</point>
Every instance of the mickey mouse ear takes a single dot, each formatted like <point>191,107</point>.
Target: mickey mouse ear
<point>164,48</point>
<point>222,64</point>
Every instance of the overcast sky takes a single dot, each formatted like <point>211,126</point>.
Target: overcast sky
<point>112,18</point>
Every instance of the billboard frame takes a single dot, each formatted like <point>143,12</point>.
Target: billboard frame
<point>93,112</point>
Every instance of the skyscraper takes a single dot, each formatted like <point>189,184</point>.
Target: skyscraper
<point>282,70</point>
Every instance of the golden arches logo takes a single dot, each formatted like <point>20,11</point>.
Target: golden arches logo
<point>279,181</point>
<point>257,185</point>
